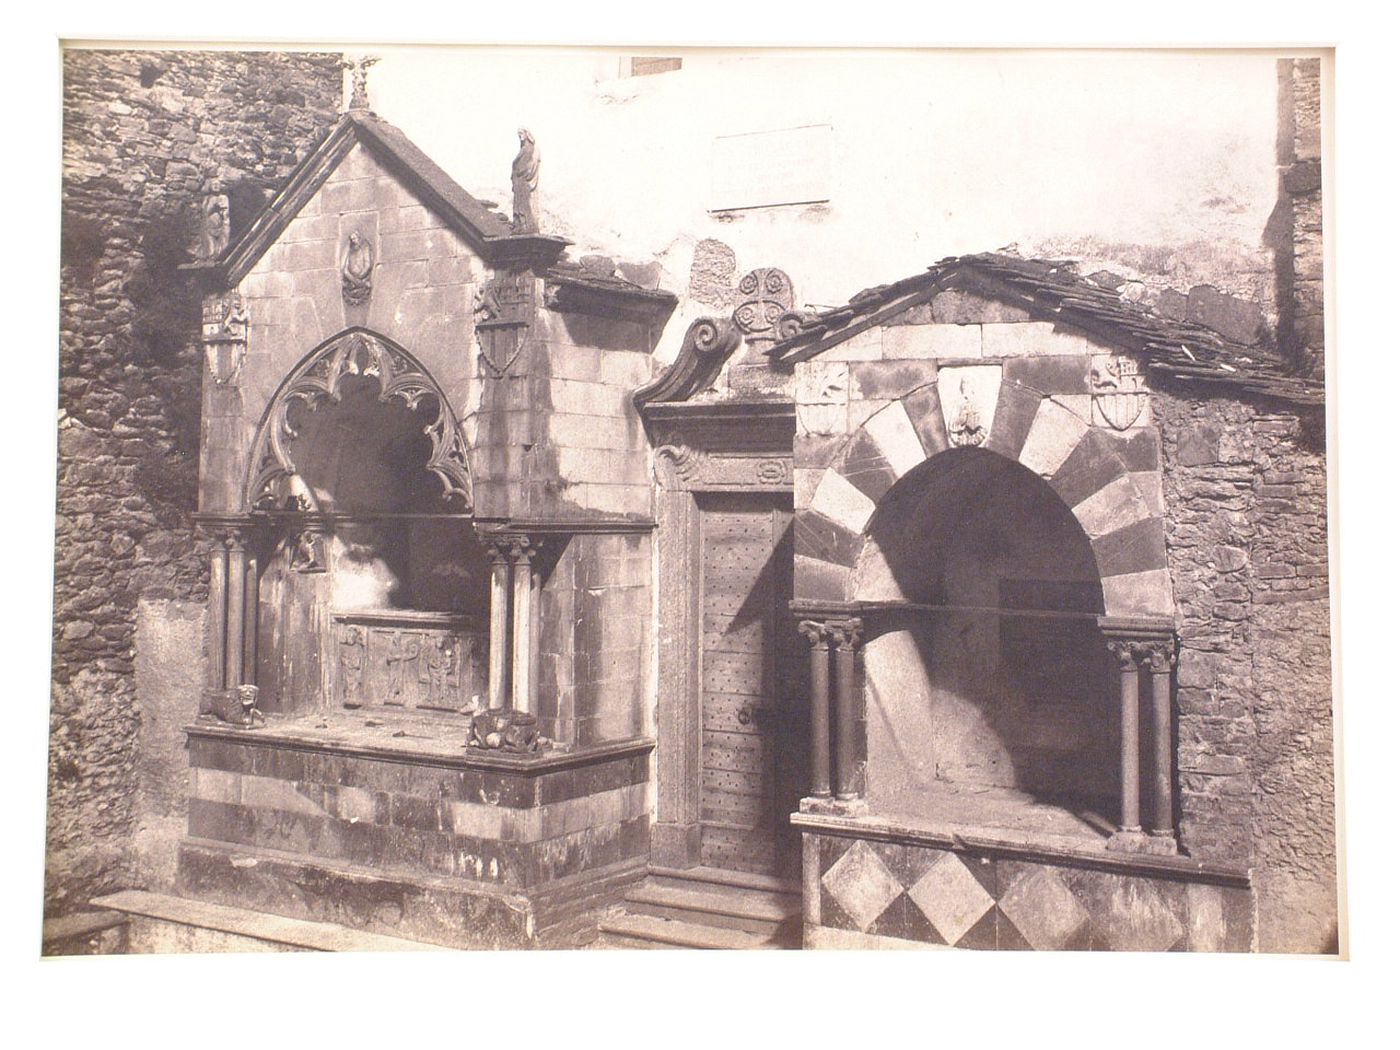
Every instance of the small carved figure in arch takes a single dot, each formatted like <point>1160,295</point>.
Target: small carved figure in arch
<point>356,271</point>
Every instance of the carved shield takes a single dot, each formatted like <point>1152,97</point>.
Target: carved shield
<point>1119,392</point>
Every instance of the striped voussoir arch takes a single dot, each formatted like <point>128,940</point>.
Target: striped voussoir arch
<point>1110,482</point>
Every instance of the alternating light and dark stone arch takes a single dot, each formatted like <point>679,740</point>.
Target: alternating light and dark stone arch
<point>1109,481</point>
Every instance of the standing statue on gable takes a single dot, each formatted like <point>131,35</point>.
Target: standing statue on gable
<point>524,178</point>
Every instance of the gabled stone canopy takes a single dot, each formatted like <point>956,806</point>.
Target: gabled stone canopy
<point>1053,291</point>
<point>488,232</point>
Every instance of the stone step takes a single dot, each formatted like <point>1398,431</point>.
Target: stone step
<point>723,877</point>
<point>648,931</point>
<point>709,904</point>
<point>86,933</point>
<point>161,923</point>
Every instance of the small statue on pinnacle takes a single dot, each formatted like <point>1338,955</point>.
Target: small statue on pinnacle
<point>359,80</point>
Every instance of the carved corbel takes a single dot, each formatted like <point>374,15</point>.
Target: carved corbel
<point>708,344</point>
<point>676,464</point>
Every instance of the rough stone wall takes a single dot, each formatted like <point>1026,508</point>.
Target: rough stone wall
<point>1246,496</point>
<point>146,134</point>
<point>1296,229</point>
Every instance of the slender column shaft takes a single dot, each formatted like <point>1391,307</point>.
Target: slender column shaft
<point>846,713</point>
<point>521,630</point>
<point>218,612</point>
<point>1130,812</point>
<point>532,672</point>
<point>821,708</point>
<point>498,653</point>
<point>250,621</point>
<point>233,649</point>
<point>1162,822</point>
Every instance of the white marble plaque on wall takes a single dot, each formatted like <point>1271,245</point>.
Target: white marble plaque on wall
<point>765,168</point>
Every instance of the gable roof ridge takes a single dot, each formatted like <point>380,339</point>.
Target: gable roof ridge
<point>1054,290</point>
<point>488,232</point>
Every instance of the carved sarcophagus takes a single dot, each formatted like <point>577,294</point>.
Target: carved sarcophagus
<point>407,659</point>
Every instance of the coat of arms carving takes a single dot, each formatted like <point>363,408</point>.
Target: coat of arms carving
<point>1119,391</point>
<point>502,309</point>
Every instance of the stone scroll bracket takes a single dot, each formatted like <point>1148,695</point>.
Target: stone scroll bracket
<point>272,481</point>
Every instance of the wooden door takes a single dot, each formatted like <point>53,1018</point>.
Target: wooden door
<point>752,688</point>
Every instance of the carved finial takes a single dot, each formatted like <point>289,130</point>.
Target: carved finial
<point>358,69</point>
<point>524,179</point>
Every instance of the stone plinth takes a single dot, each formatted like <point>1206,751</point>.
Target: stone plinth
<point>413,835</point>
<point>871,882</point>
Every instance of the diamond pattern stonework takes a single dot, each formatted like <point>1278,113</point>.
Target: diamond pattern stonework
<point>950,898</point>
<point>862,885</point>
<point>1045,911</point>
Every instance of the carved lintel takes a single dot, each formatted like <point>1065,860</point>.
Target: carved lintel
<point>708,343</point>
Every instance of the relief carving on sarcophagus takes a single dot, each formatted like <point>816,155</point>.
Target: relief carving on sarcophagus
<point>409,659</point>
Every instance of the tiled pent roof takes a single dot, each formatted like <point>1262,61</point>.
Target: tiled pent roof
<point>1054,291</point>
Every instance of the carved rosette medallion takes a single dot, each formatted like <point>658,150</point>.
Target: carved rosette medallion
<point>273,482</point>
<point>1119,391</point>
<point>225,335</point>
<point>765,297</point>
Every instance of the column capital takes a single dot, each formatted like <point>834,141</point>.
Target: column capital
<point>1159,656</point>
<point>846,633</point>
<point>1125,652</point>
<point>816,633</point>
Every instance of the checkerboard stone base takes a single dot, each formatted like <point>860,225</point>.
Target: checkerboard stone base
<point>461,851</point>
<point>882,894</point>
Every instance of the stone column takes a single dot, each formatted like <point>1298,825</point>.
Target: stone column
<point>1130,775</point>
<point>816,634</point>
<point>218,609</point>
<point>524,662</point>
<point>237,596</point>
<point>1161,656</point>
<point>846,634</point>
<point>498,648</point>
<point>250,618</point>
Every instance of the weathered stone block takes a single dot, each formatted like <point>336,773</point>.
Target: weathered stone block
<point>928,342</point>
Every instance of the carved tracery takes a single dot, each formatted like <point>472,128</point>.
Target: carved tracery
<point>318,380</point>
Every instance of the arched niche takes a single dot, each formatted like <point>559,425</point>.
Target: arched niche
<point>1111,483</point>
<point>374,589</point>
<point>990,695</point>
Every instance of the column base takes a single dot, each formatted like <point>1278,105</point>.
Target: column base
<point>854,807</point>
<point>1135,840</point>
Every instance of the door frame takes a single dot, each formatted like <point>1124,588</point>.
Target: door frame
<point>740,447</point>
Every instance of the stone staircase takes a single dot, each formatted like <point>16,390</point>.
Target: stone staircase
<point>704,908</point>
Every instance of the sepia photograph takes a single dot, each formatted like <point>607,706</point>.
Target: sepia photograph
<point>748,498</point>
